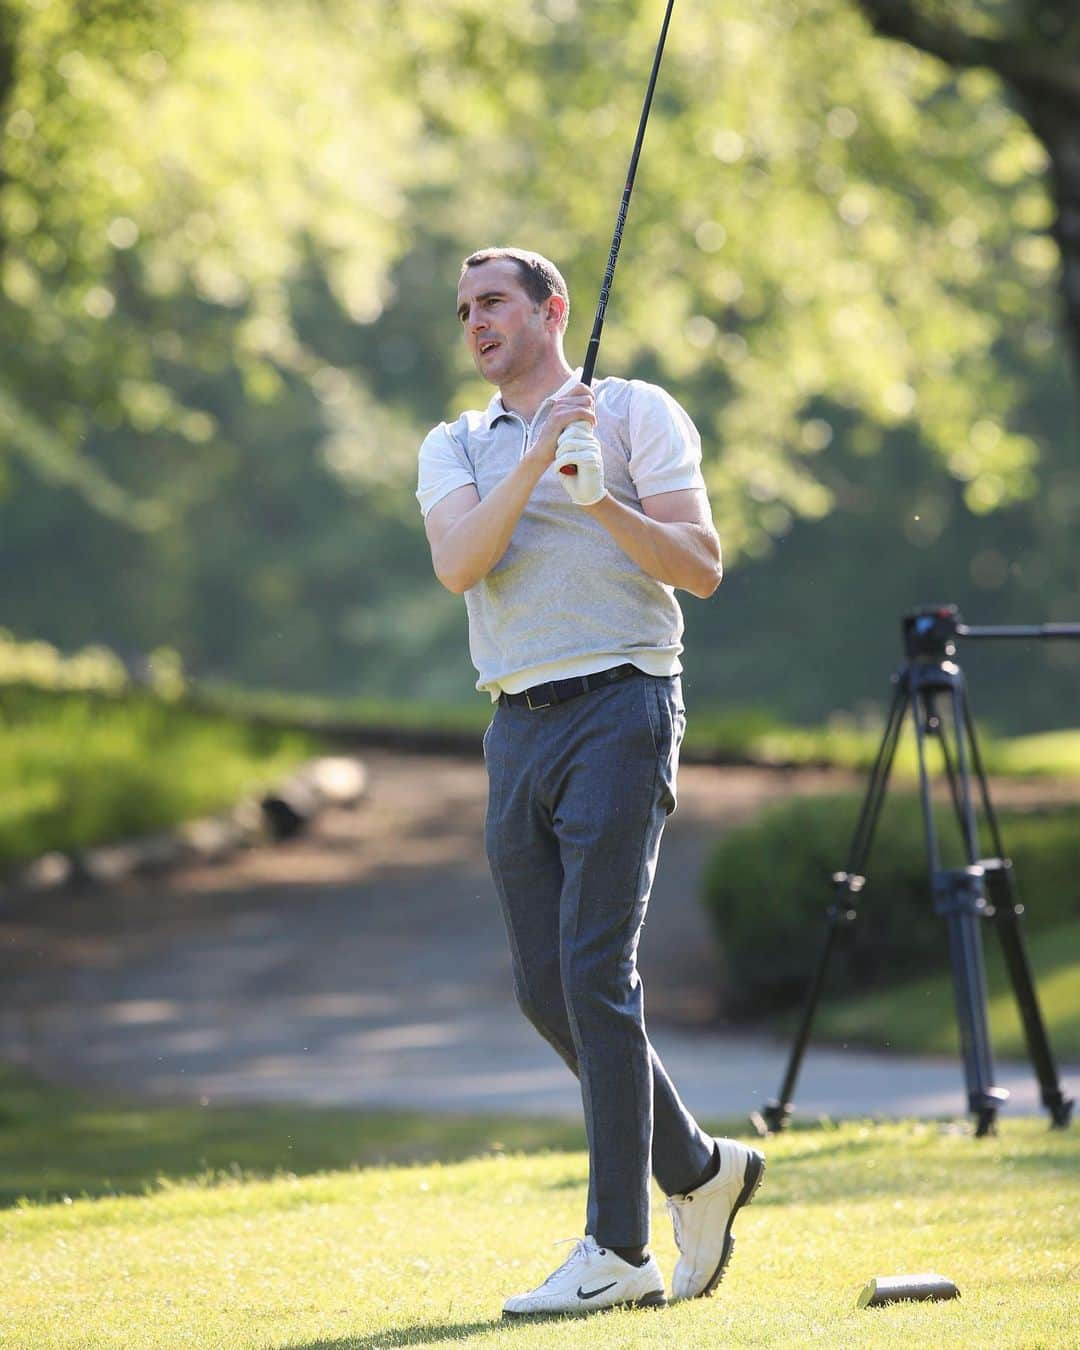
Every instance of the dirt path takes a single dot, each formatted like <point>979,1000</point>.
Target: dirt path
<point>365,963</point>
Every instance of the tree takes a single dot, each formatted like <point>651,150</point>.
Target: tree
<point>7,63</point>
<point>226,302</point>
<point>1034,47</point>
<point>811,235</point>
<point>827,233</point>
<point>167,165</point>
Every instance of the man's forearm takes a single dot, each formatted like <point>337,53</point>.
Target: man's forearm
<point>679,553</point>
<point>476,543</point>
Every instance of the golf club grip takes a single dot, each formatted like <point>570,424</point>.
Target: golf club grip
<point>593,348</point>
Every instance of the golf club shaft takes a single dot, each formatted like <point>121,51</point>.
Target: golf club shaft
<point>624,206</point>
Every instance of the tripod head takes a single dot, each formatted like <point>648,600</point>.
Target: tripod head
<point>930,632</point>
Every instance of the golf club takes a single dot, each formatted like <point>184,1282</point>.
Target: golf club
<point>624,206</point>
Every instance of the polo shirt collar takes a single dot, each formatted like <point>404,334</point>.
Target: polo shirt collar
<point>495,409</point>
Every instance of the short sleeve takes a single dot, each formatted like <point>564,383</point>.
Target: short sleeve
<point>444,466</point>
<point>665,448</point>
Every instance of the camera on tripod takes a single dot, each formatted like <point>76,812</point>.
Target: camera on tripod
<point>932,685</point>
<point>929,633</point>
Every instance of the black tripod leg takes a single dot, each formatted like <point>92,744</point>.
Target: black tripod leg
<point>847,884</point>
<point>1008,912</point>
<point>960,896</point>
<point>960,792</point>
<point>775,1114</point>
<point>1007,921</point>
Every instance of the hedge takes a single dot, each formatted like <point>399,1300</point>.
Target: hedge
<point>768,885</point>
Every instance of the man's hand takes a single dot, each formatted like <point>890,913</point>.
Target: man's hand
<point>576,405</point>
<point>580,450</point>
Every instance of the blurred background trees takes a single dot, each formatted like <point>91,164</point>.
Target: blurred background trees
<point>229,239</point>
<point>1034,47</point>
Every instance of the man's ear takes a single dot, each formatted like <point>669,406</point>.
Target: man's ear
<point>556,309</point>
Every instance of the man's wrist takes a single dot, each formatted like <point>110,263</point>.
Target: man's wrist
<point>539,456</point>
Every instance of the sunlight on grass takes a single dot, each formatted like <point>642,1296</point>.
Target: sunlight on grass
<point>919,1015</point>
<point>742,733</point>
<point>1049,752</point>
<point>426,1254</point>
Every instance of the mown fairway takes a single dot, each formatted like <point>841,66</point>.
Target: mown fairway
<point>425,1254</point>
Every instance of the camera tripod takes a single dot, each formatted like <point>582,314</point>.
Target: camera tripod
<point>964,896</point>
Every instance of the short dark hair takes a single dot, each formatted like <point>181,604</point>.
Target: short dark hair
<point>540,277</point>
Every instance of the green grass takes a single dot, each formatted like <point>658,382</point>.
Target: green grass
<point>919,1015</point>
<point>749,734</point>
<point>57,1143</point>
<point>847,746</point>
<point>360,713</point>
<point>81,769</point>
<point>1048,752</point>
<point>735,734</point>
<point>424,1254</point>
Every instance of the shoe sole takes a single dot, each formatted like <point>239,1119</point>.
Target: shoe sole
<point>656,1299</point>
<point>753,1176</point>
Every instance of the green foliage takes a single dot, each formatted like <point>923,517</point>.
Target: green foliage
<point>717,733</point>
<point>1053,752</point>
<point>140,267</point>
<point>43,666</point>
<point>823,218</point>
<point>767,887</point>
<point>812,235</point>
<point>81,769</point>
<point>814,629</point>
<point>230,235</point>
<point>356,714</point>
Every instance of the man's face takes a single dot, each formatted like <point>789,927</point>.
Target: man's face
<point>506,332</point>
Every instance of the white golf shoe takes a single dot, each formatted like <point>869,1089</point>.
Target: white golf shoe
<point>703,1219</point>
<point>589,1279</point>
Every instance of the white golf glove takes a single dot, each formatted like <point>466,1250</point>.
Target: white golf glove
<point>579,447</point>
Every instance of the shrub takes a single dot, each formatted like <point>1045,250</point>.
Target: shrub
<point>84,768</point>
<point>768,885</point>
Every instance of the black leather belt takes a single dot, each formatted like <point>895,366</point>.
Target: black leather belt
<point>559,691</point>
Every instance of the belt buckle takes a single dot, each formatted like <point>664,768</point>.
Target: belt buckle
<point>535,707</point>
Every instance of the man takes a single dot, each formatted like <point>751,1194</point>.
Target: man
<point>568,580</point>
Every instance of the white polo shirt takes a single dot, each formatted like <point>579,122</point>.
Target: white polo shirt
<point>565,599</point>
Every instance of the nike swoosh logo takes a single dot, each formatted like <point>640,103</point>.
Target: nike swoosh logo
<point>593,1292</point>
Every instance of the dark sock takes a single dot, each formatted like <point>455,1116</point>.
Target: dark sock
<point>634,1256</point>
<point>710,1171</point>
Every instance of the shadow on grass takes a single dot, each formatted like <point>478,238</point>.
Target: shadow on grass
<point>1067,1164</point>
<point>430,1333</point>
<point>56,1143</point>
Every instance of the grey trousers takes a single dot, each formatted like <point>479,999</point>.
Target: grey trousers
<point>578,797</point>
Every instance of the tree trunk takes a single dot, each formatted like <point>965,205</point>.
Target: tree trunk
<point>1058,127</point>
<point>1044,77</point>
<point>7,83</point>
